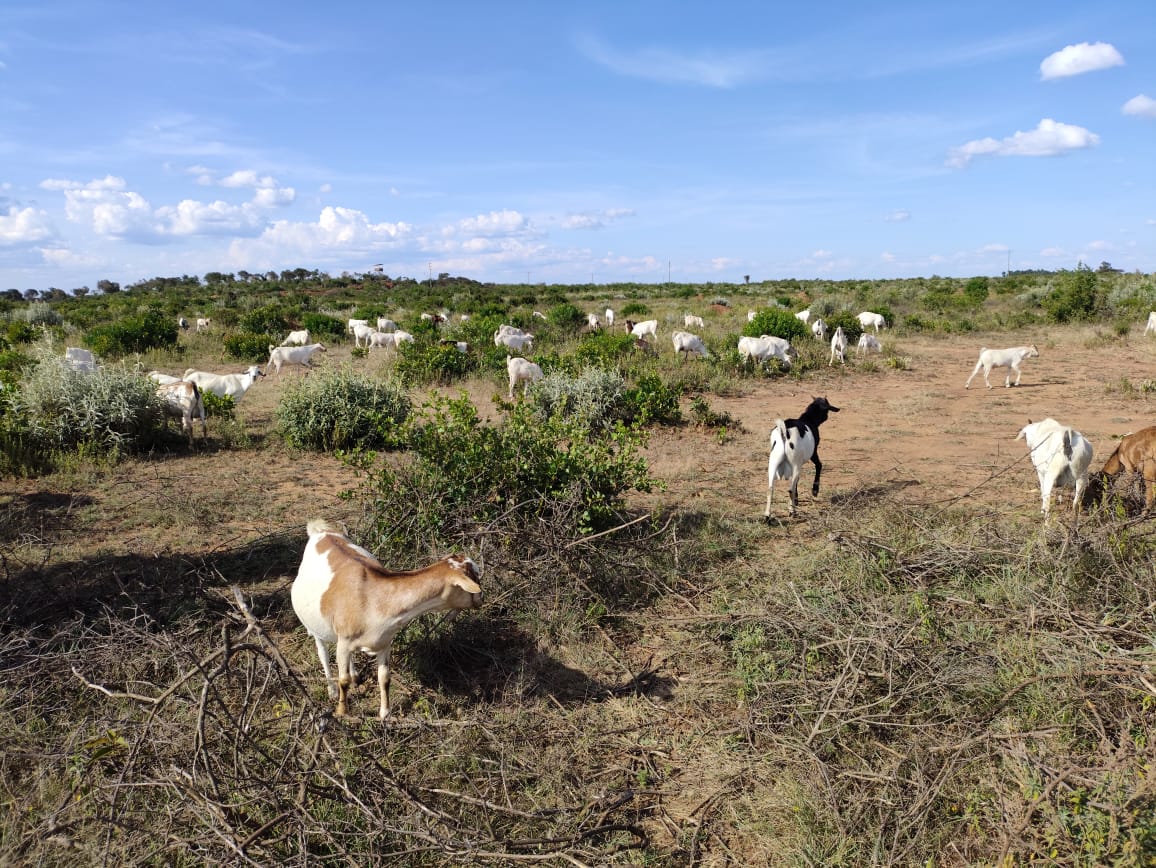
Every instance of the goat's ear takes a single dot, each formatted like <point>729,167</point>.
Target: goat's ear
<point>467,585</point>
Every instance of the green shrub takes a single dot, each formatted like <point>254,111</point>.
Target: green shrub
<point>849,323</point>
<point>248,347</point>
<point>652,402</point>
<point>565,316</point>
<point>780,323</point>
<point>13,363</point>
<point>20,332</point>
<point>1076,299</point>
<point>267,320</point>
<point>633,310</point>
<point>339,409</point>
<point>594,398</point>
<point>219,407</point>
<point>323,327</point>
<point>134,334</point>
<point>422,363</point>
<point>604,348</point>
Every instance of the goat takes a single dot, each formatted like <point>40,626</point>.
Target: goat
<point>763,349</point>
<point>1061,455</point>
<point>538,315</point>
<point>1010,358</point>
<point>381,339</point>
<point>522,371</point>
<point>343,596</point>
<point>224,385</point>
<point>183,400</point>
<point>751,315</point>
<point>302,356</point>
<point>361,332</point>
<point>1135,453</point>
<point>504,329</point>
<point>819,329</point>
<point>80,359</point>
<point>460,346</point>
<point>516,343</point>
<point>385,324</point>
<point>182,324</point>
<point>644,328</point>
<point>592,321</point>
<point>609,317</point>
<point>686,343</point>
<point>868,319</point>
<point>162,379</point>
<point>803,316</point>
<point>1151,327</point>
<point>867,343</point>
<point>838,347</point>
<point>296,339</point>
<point>692,321</point>
<point>354,323</point>
<point>203,322</point>
<point>794,442</point>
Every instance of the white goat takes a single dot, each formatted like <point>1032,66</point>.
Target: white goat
<point>692,321</point>
<point>385,340</point>
<point>302,356</point>
<point>354,323</point>
<point>183,400</point>
<point>401,337</point>
<point>296,339</point>
<point>517,343</point>
<point>803,316</point>
<point>609,317</point>
<point>344,596</point>
<point>838,347</point>
<point>763,349</point>
<point>1151,327</point>
<point>819,329</point>
<point>644,328</point>
<point>868,319</point>
<point>751,315</point>
<point>1062,457</point>
<point>867,343</point>
<point>1010,358</point>
<point>794,442</point>
<point>162,379</point>
<point>361,332</point>
<point>225,385</point>
<point>522,371</point>
<point>537,315</point>
<point>504,329</point>
<point>182,324</point>
<point>686,343</point>
<point>592,321</point>
<point>203,322</point>
<point>385,324</point>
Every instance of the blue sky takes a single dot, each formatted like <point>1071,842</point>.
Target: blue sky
<point>610,141</point>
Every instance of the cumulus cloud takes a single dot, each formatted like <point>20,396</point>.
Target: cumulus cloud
<point>504,222</point>
<point>1054,252</point>
<point>898,216</point>
<point>338,232</point>
<point>1078,59</point>
<point>191,217</point>
<point>595,219</point>
<point>23,226</point>
<point>1141,106</point>
<point>104,202</point>
<point>1050,138</point>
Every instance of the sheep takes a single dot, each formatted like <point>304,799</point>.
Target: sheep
<point>1151,327</point>
<point>868,319</point>
<point>692,321</point>
<point>385,324</point>
<point>1135,453</point>
<point>225,385</point>
<point>803,316</point>
<point>183,400</point>
<point>644,328</point>
<point>1010,358</point>
<point>819,329</point>
<point>162,379</point>
<point>517,343</point>
<point>592,321</point>
<point>80,359</point>
<point>763,349</point>
<point>302,356</point>
<point>1062,456</point>
<point>203,322</point>
<point>343,596</point>
<point>867,343</point>
<point>794,442</point>
<point>609,318</point>
<point>296,339</point>
<point>838,347</point>
<point>522,371</point>
<point>354,323</point>
<point>361,332</point>
<point>686,343</point>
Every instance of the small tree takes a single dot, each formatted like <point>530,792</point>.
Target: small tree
<point>1076,299</point>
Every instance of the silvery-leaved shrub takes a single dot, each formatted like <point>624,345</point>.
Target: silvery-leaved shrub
<point>38,313</point>
<point>340,409</point>
<point>595,398</point>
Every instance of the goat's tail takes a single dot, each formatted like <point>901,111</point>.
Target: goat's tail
<point>1068,443</point>
<point>196,391</point>
<point>780,428</point>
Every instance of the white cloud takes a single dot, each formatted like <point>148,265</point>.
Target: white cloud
<point>595,219</point>
<point>1054,252</point>
<point>338,233</point>
<point>723,263</point>
<point>660,64</point>
<point>1050,138</point>
<point>1141,106</point>
<point>19,227</point>
<point>1078,59</point>
<point>504,222</point>
<point>326,188</point>
<point>105,203</point>
<point>213,218</point>
<point>887,257</point>
<point>898,216</point>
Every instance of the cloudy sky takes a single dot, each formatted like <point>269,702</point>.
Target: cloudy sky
<point>604,141</point>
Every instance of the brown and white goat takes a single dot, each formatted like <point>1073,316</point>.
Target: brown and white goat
<point>183,400</point>
<point>345,597</point>
<point>1136,453</point>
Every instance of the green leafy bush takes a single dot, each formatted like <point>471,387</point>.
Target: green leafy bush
<point>134,334</point>
<point>339,409</point>
<point>323,327</point>
<point>565,316</point>
<point>248,347</point>
<point>20,332</point>
<point>267,320</point>
<point>218,406</point>
<point>652,402</point>
<point>780,323</point>
<point>633,310</point>
<point>604,348</point>
<point>1076,299</point>
<point>422,363</point>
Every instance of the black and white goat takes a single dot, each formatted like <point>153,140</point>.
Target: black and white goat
<point>794,442</point>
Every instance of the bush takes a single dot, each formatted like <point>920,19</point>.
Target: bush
<point>652,402</point>
<point>219,407</point>
<point>338,409</point>
<point>249,347</point>
<point>633,310</point>
<point>134,334</point>
<point>20,332</point>
<point>604,348</point>
<point>323,327</point>
<point>267,320</point>
<point>594,398</point>
<point>39,313</point>
<point>1076,299</point>
<point>780,323</point>
<point>565,317</point>
<point>421,363</point>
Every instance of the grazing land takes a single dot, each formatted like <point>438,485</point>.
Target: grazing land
<point>914,670</point>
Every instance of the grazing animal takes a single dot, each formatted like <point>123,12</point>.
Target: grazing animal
<point>302,356</point>
<point>343,596</point>
<point>203,322</point>
<point>183,400</point>
<point>609,318</point>
<point>1062,456</point>
<point>867,343</point>
<point>819,329</point>
<point>80,359</point>
<point>361,332</point>
<point>803,316</point>
<point>751,315</point>
<point>868,319</point>
<point>794,442</point>
<point>1135,453</point>
<point>225,385</point>
<point>692,321</point>
<point>182,324</point>
<point>592,321</point>
<point>644,328</point>
<point>460,346</point>
<point>381,339</point>
<point>385,324</point>
<point>352,325</point>
<point>514,342</point>
<point>1010,358</point>
<point>162,379</point>
<point>686,343</point>
<point>296,339</point>
<point>1151,327</point>
<point>522,371</point>
<point>763,349</point>
<point>838,347</point>
<point>537,315</point>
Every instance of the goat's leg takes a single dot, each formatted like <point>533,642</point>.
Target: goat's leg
<point>1012,367</point>
<point>383,678</point>
<point>818,472</point>
<point>344,653</point>
<point>323,655</point>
